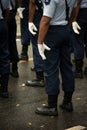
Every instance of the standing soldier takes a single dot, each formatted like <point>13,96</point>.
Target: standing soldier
<point>54,48</point>
<point>4,53</point>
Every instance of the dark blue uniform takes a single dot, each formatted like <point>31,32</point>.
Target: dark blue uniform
<point>4,53</point>
<point>38,62</point>
<point>80,40</point>
<point>58,39</point>
<point>25,35</point>
<point>12,28</point>
<point>58,58</point>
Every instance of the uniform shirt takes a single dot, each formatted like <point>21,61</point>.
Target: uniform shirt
<point>56,9</point>
<point>5,4</point>
<point>83,4</point>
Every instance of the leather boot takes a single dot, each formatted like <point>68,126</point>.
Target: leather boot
<point>78,68</point>
<point>4,85</point>
<point>24,53</point>
<point>51,109</point>
<point>14,72</point>
<point>67,102</point>
<point>39,81</point>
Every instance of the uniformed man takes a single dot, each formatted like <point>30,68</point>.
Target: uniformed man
<point>54,48</point>
<point>23,11</point>
<point>12,29</point>
<point>35,14</point>
<point>81,19</point>
<point>4,53</point>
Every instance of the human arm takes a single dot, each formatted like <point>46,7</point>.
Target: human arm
<point>43,29</point>
<point>73,18</point>
<point>32,9</point>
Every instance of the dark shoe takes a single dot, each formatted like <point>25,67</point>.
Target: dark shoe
<point>24,54</point>
<point>14,73</point>
<point>32,69</point>
<point>67,106</point>
<point>4,85</point>
<point>23,57</point>
<point>35,82</point>
<point>45,110</point>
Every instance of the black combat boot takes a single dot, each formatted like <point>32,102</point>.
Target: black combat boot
<point>78,68</point>
<point>51,109</point>
<point>24,53</point>
<point>14,72</point>
<point>67,102</point>
<point>4,86</point>
<point>39,81</point>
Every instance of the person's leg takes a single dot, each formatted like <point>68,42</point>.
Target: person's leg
<point>51,69</point>
<point>79,52</point>
<point>4,60</point>
<point>67,78</point>
<point>51,66</point>
<point>14,58</point>
<point>79,44</point>
<point>25,34</point>
<point>37,60</point>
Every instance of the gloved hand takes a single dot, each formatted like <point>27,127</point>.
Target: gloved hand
<point>20,12</point>
<point>76,27</point>
<point>42,48</point>
<point>32,28</point>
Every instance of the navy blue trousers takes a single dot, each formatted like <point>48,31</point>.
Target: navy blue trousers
<point>4,53</point>
<point>58,61</point>
<point>38,62</point>
<point>14,58</point>
<point>80,43</point>
<point>25,34</point>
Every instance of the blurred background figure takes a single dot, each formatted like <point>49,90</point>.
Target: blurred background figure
<point>23,11</point>
<point>12,28</point>
<point>80,43</point>
<point>4,53</point>
<point>35,14</point>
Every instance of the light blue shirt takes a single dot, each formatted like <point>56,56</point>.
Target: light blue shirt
<point>5,4</point>
<point>83,4</point>
<point>56,9</point>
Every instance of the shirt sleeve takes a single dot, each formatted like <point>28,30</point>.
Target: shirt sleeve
<point>49,8</point>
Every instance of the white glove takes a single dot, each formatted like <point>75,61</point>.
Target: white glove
<point>20,12</point>
<point>76,27</point>
<point>42,48</point>
<point>32,28</point>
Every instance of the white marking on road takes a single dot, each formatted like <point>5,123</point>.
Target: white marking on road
<point>77,128</point>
